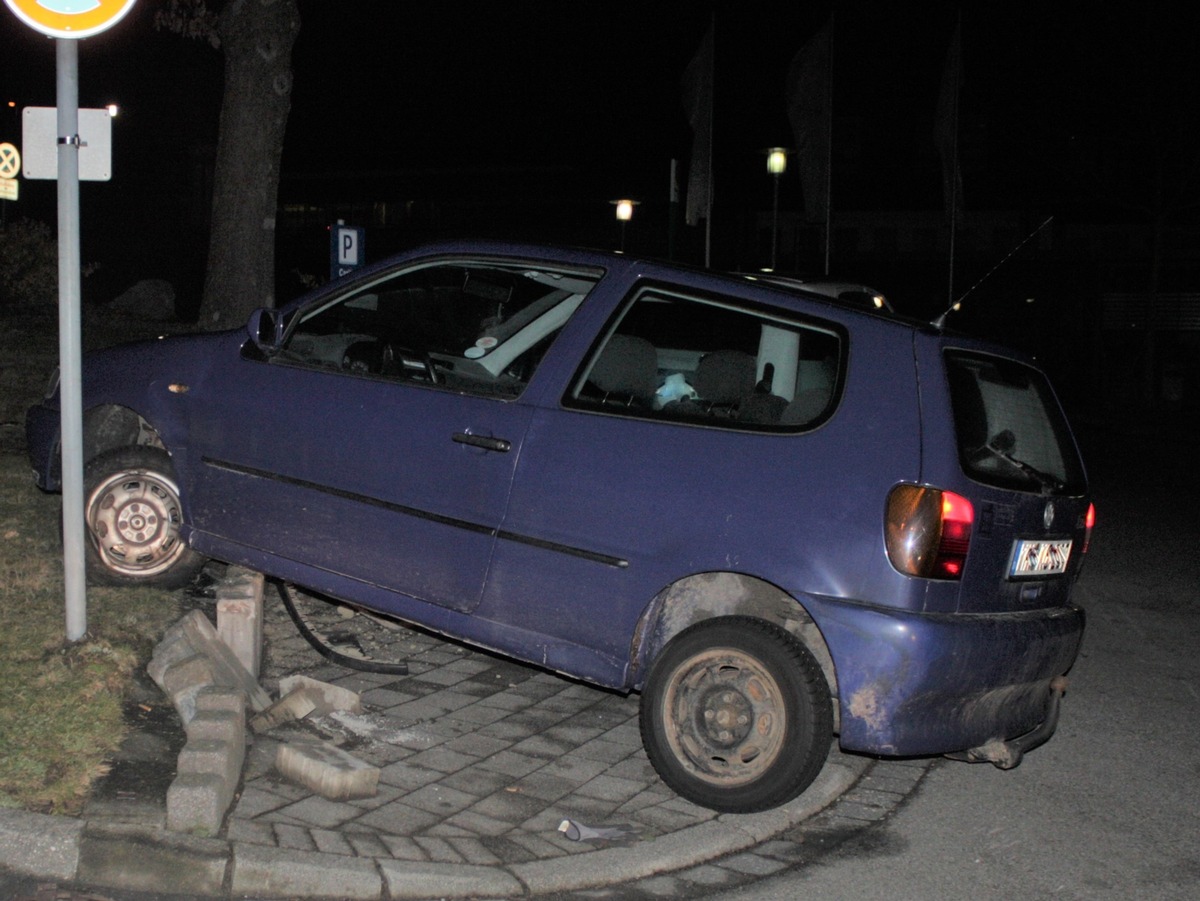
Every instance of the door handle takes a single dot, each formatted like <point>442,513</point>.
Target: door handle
<point>493,444</point>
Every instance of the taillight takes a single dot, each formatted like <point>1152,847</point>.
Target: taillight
<point>928,531</point>
<point>1089,521</point>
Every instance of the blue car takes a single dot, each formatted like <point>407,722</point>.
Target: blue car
<point>777,516</point>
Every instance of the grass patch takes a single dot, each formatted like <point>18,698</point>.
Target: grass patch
<point>60,704</point>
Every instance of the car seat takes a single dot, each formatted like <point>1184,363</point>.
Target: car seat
<point>626,371</point>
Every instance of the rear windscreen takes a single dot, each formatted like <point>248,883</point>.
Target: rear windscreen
<point>1011,432</point>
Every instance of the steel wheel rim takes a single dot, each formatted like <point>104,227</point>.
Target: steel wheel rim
<point>133,519</point>
<point>725,717</point>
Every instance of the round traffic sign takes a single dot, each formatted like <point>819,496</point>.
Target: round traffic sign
<point>10,161</point>
<point>70,18</point>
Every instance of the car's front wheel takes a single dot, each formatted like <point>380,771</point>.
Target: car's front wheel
<point>133,516</point>
<point>736,715</point>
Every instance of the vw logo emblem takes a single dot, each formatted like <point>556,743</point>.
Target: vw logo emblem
<point>1048,514</point>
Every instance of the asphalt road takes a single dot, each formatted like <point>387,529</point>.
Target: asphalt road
<point>1110,808</point>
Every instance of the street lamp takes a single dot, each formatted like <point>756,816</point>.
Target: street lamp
<point>776,166</point>
<point>624,214</point>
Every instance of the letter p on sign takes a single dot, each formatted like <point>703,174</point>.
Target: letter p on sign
<point>348,246</point>
<point>346,250</point>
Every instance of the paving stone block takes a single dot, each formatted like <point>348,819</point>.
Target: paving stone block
<point>220,758</point>
<point>327,697</point>
<point>294,705</point>
<point>187,673</point>
<point>227,669</point>
<point>240,616</point>
<point>217,699</point>
<point>169,651</point>
<point>196,802</point>
<point>183,680</point>
<point>216,725</point>
<point>327,770</point>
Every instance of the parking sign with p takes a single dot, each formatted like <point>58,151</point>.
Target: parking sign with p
<point>346,250</point>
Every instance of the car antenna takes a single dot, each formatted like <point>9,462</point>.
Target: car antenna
<point>940,322</point>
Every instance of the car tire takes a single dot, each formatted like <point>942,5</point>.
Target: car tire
<point>736,715</point>
<point>133,514</point>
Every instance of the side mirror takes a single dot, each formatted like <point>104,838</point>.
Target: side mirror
<point>264,328</point>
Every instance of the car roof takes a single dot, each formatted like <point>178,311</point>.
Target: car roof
<point>847,294</point>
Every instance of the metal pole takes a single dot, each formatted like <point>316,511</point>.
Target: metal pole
<point>829,154</point>
<point>775,223</point>
<point>712,178</point>
<point>69,340</point>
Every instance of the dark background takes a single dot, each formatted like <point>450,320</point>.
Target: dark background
<point>526,119</point>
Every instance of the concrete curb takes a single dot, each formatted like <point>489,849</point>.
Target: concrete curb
<point>140,859</point>
<point>40,845</point>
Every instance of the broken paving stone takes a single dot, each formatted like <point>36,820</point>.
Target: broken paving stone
<point>327,770</point>
<point>227,669</point>
<point>328,698</point>
<point>295,705</point>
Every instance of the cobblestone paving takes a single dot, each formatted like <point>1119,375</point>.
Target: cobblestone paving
<point>481,758</point>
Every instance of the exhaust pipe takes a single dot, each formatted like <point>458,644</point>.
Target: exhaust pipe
<point>1007,754</point>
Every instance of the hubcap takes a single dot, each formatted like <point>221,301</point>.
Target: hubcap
<point>133,520</point>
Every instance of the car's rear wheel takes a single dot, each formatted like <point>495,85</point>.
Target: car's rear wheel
<point>736,715</point>
<point>133,516</point>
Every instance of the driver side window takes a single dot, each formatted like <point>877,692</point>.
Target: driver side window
<point>472,328</point>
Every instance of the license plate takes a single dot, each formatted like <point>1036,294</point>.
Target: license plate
<point>1039,558</point>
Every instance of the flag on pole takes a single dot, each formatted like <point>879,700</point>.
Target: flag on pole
<point>697,86</point>
<point>810,111</point>
<point>945,127</point>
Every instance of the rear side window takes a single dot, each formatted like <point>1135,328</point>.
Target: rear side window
<point>708,362</point>
<point>1011,432</point>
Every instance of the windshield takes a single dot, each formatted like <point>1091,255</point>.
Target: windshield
<point>1011,432</point>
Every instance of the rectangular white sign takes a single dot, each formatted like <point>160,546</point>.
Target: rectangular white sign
<point>39,143</point>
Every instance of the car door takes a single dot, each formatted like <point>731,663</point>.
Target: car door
<point>378,443</point>
<point>666,457</point>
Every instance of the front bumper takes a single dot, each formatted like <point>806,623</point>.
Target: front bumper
<point>920,684</point>
<point>42,429</point>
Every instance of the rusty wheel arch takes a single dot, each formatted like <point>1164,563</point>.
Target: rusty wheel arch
<point>110,426</point>
<point>710,595</point>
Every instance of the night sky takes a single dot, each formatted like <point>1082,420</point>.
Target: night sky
<point>1065,107</point>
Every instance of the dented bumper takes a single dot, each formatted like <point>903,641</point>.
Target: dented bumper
<point>919,684</point>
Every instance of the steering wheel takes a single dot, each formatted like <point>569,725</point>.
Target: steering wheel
<point>406,363</point>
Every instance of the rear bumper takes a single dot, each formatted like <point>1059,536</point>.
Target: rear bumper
<point>42,425</point>
<point>918,684</point>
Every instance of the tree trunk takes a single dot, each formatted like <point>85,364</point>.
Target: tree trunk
<point>256,39</point>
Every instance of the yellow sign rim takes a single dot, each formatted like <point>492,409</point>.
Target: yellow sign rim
<point>105,14</point>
